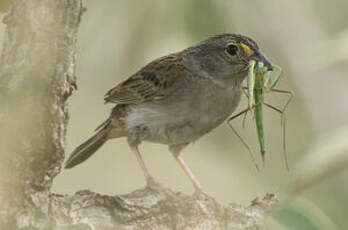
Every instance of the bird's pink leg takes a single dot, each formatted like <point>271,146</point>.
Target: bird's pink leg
<point>149,179</point>
<point>188,172</point>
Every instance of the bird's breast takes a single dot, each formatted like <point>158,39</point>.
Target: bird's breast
<point>182,120</point>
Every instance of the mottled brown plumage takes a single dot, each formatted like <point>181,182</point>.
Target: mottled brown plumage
<point>150,83</point>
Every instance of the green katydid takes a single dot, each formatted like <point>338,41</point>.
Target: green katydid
<point>260,81</point>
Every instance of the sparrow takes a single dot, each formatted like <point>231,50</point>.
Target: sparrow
<point>176,99</point>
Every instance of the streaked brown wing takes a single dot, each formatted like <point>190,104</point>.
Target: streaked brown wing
<point>150,83</point>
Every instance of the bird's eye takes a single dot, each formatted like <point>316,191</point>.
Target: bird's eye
<point>232,49</point>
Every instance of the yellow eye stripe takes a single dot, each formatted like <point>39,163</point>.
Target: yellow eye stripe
<point>246,48</point>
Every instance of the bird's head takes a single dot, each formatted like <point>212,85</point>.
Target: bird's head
<point>225,56</point>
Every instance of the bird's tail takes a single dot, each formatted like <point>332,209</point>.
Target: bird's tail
<point>87,148</point>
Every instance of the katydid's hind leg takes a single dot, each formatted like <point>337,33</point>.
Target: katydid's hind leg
<point>283,125</point>
<point>291,94</point>
<point>288,92</point>
<point>282,117</point>
<point>240,137</point>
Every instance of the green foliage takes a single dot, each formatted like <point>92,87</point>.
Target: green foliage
<point>294,220</point>
<point>202,18</point>
<point>301,214</point>
<point>4,4</point>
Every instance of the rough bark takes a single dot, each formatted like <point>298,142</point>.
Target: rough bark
<point>155,209</point>
<point>37,75</point>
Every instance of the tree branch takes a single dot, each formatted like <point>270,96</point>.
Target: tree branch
<point>157,208</point>
<point>37,75</point>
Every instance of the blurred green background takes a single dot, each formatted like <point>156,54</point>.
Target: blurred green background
<point>308,38</point>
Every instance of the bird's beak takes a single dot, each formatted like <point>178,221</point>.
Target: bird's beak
<point>259,57</point>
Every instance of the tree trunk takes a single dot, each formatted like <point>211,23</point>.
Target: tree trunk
<point>37,75</point>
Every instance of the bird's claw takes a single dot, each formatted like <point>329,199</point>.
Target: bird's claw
<point>153,185</point>
<point>200,195</point>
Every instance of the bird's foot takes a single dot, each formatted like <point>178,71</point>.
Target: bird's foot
<point>153,185</point>
<point>199,194</point>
